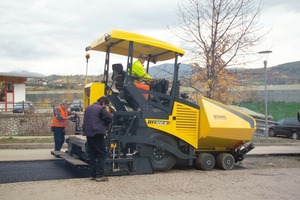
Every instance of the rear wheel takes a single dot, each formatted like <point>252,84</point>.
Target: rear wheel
<point>205,161</point>
<point>294,135</point>
<point>225,161</point>
<point>272,133</point>
<point>161,159</point>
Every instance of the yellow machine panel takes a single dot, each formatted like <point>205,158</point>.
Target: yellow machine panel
<point>92,92</point>
<point>142,44</point>
<point>186,125</point>
<point>183,123</point>
<point>222,127</point>
<point>215,127</point>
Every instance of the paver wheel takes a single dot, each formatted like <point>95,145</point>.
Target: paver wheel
<point>205,161</point>
<point>161,159</point>
<point>225,161</point>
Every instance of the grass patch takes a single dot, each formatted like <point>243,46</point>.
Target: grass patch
<point>277,110</point>
<point>10,140</point>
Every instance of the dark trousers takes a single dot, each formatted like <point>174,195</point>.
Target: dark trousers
<point>59,137</point>
<point>97,155</point>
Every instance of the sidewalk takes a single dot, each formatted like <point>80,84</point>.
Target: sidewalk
<point>26,154</point>
<point>45,154</point>
<point>275,150</point>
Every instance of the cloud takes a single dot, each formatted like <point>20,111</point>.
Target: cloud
<point>50,36</point>
<point>38,32</point>
<point>281,17</point>
<point>286,5</point>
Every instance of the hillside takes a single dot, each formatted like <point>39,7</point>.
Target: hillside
<point>166,71</point>
<point>287,73</point>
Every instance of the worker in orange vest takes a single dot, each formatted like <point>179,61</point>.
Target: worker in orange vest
<point>59,123</point>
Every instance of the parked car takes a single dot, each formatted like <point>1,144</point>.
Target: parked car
<point>77,105</point>
<point>287,127</point>
<point>23,106</point>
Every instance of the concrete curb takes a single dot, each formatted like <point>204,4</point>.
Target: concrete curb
<point>277,144</point>
<point>271,154</point>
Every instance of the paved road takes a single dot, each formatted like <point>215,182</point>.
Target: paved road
<point>22,171</point>
<point>257,177</point>
<point>56,169</point>
<point>20,165</point>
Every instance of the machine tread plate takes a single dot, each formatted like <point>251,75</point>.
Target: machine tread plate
<point>68,158</point>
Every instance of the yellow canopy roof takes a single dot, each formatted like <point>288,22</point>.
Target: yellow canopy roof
<point>142,45</point>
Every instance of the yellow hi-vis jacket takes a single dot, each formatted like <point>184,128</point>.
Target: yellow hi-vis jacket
<point>139,71</point>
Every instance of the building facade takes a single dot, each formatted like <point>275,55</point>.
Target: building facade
<point>12,89</point>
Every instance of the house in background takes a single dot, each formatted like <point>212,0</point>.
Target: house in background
<point>12,89</point>
<point>41,82</point>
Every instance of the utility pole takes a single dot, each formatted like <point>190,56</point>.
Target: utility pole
<point>266,94</point>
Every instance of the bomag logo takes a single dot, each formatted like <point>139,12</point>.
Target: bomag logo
<point>220,117</point>
<point>158,122</point>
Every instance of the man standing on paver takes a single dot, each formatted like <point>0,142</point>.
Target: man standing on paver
<point>95,122</point>
<point>59,123</point>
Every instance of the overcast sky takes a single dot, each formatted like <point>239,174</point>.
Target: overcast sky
<point>49,36</point>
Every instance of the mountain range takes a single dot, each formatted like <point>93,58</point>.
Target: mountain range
<point>283,74</point>
<point>27,73</point>
<point>166,70</point>
<point>287,73</point>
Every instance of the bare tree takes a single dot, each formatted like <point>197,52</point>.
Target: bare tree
<point>2,87</point>
<point>219,34</point>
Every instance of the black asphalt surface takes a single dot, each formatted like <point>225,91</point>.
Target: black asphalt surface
<point>22,171</point>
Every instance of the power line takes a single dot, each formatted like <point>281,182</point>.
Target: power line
<point>30,13</point>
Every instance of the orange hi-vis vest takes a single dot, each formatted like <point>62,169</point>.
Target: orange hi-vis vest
<point>60,123</point>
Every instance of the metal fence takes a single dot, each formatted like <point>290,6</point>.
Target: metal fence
<point>27,107</point>
<point>261,127</point>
